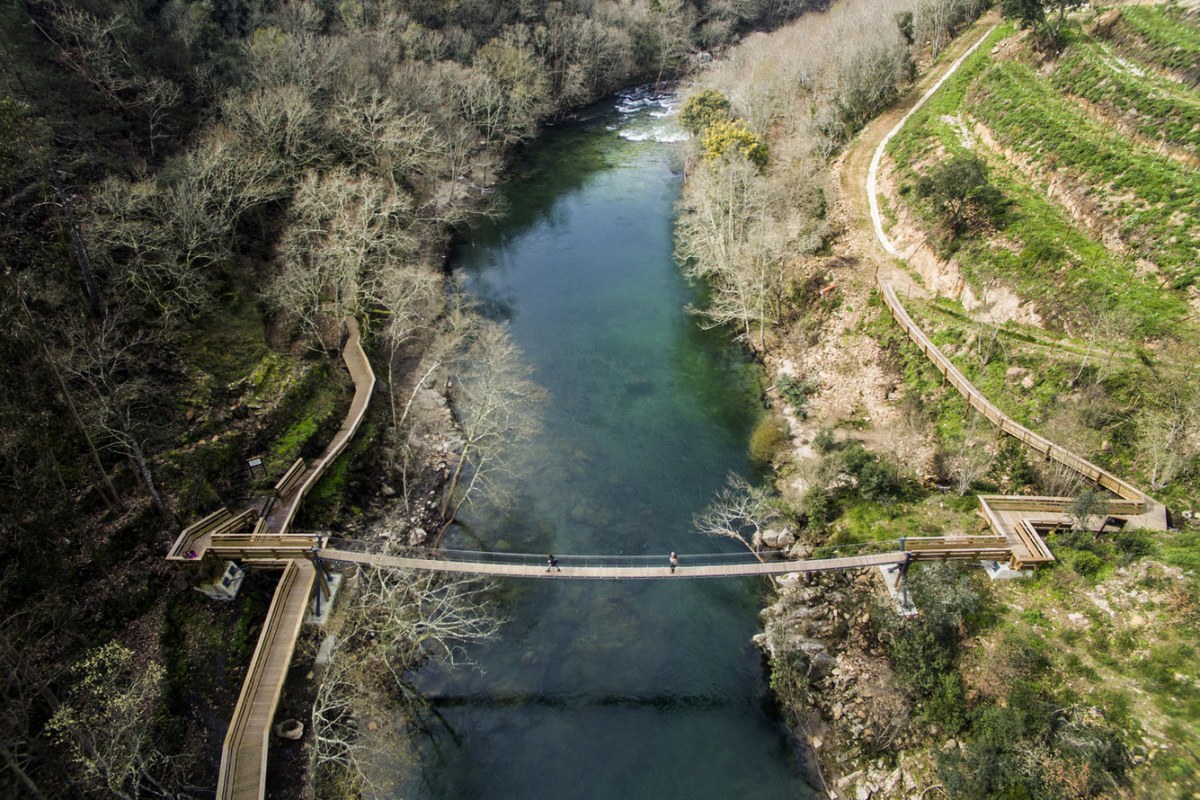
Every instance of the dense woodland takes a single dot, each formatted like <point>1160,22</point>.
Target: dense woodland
<point>192,196</point>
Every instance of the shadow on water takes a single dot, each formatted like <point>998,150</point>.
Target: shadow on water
<point>602,689</point>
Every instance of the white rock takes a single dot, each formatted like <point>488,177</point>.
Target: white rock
<point>290,729</point>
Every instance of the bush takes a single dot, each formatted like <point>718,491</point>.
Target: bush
<point>961,193</point>
<point>733,137</point>
<point>703,109</point>
<point>879,482</point>
<point>767,440</point>
<point>797,391</point>
<point>947,705</point>
<point>1087,563</point>
<point>818,506</point>
<point>825,442</point>
<point>1133,545</point>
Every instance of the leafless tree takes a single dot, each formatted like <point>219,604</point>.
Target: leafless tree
<point>1170,434</point>
<point>104,361</point>
<point>106,724</point>
<point>396,620</point>
<point>971,457</point>
<point>495,404</point>
<point>345,229</point>
<point>739,511</point>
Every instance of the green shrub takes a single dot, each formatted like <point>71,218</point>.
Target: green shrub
<point>768,439</point>
<point>733,137</point>
<point>946,707</point>
<point>1087,563</point>
<point>703,109</point>
<point>818,506</point>
<point>825,442</point>
<point>797,391</point>
<point>879,482</point>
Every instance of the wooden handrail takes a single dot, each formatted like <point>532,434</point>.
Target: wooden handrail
<point>1006,424</point>
<point>289,479</point>
<point>241,713</point>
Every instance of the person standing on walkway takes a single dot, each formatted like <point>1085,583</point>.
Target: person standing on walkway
<point>674,561</point>
<point>552,563</point>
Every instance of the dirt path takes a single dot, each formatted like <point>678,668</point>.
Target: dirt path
<point>860,217</point>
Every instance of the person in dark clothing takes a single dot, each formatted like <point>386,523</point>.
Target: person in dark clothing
<point>552,563</point>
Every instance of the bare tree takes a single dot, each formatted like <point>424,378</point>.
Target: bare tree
<point>101,52</point>
<point>107,723</point>
<point>279,121</point>
<point>740,511</point>
<point>727,238</point>
<point>345,229</point>
<point>105,360</point>
<point>971,457</point>
<point>495,405</point>
<point>1169,434</point>
<point>396,621</point>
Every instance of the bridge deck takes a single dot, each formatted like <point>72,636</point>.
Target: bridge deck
<point>607,572</point>
<point>243,774</point>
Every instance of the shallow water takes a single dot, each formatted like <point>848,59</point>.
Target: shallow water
<point>609,689</point>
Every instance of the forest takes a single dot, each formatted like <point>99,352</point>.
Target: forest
<point>193,196</point>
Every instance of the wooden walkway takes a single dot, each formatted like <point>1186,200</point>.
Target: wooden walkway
<point>244,755</point>
<point>1020,520</point>
<point>493,569</point>
<point>243,773</point>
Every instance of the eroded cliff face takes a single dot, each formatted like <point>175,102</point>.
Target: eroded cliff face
<point>838,687</point>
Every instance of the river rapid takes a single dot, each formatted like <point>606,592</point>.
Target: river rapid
<point>609,689</point>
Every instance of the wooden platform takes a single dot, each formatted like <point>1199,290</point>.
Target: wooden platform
<point>243,774</point>
<point>243,771</point>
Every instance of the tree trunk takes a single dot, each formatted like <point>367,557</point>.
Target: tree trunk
<point>14,766</point>
<point>143,467</point>
<point>82,258</point>
<point>109,492</point>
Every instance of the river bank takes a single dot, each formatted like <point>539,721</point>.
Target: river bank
<point>830,669</point>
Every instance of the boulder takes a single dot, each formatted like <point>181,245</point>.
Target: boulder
<point>289,729</point>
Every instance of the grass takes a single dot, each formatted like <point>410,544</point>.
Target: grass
<point>1041,252</point>
<point>1158,109</point>
<point>324,503</point>
<point>231,342</point>
<point>310,409</point>
<point>1139,669</point>
<point>1161,36</point>
<point>1149,197</point>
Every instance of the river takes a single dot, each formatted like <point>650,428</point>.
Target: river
<point>606,689</point>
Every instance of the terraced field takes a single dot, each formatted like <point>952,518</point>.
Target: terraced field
<point>1093,152</point>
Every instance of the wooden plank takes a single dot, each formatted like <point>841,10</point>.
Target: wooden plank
<point>1077,463</point>
<point>290,478</point>
<point>188,537</point>
<point>243,757</point>
<point>616,572</point>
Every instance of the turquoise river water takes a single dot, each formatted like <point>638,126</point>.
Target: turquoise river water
<point>624,690</point>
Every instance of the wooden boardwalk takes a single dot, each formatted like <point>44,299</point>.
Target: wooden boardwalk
<point>243,773</point>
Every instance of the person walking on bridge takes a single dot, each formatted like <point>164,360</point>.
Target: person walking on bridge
<point>552,563</point>
<point>674,561</point>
